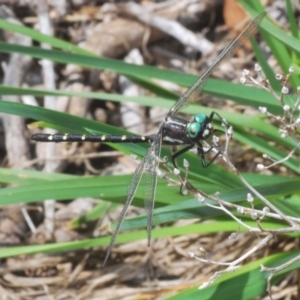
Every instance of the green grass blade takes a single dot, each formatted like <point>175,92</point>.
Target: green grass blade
<point>244,284</point>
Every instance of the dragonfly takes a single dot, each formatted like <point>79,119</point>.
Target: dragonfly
<point>174,131</point>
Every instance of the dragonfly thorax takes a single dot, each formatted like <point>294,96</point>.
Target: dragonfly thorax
<point>199,128</point>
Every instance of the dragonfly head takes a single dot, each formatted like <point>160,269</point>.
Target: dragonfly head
<point>199,128</point>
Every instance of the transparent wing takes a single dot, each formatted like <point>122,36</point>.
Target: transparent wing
<point>150,181</point>
<point>146,164</point>
<point>193,93</point>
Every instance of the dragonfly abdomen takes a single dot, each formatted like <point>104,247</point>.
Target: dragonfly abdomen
<point>57,138</point>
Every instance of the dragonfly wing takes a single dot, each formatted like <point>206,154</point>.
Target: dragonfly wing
<point>193,93</point>
<point>150,181</point>
<point>146,163</point>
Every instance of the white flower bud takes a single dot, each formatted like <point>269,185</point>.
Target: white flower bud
<point>200,198</point>
<point>257,67</point>
<point>186,164</point>
<point>230,130</point>
<point>254,215</point>
<point>184,192</point>
<point>260,167</point>
<point>263,110</point>
<point>215,139</point>
<point>243,80</point>
<point>245,72</point>
<point>284,90</point>
<point>232,236</point>
<point>191,254</point>
<point>176,171</point>
<point>286,107</point>
<point>240,210</point>
<point>249,198</point>
<point>266,210</point>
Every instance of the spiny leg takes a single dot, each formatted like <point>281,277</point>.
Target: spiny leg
<point>178,153</point>
<point>200,150</point>
<point>211,116</point>
<point>202,153</point>
<point>218,130</point>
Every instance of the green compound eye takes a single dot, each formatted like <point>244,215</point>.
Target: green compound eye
<point>200,118</point>
<point>193,129</point>
<point>196,126</point>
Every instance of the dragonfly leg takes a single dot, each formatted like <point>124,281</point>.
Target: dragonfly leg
<point>202,153</point>
<point>178,153</point>
<point>218,130</point>
<point>223,121</point>
<point>213,113</point>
